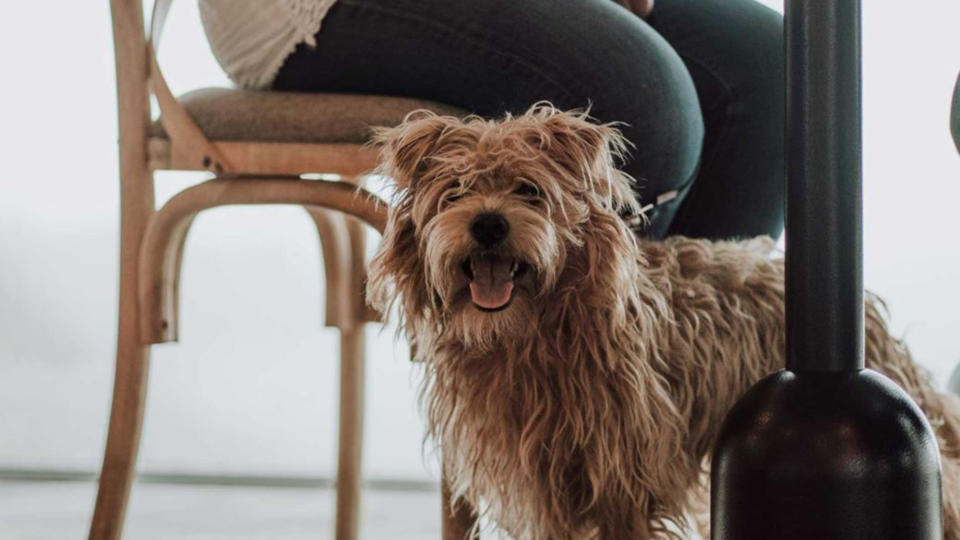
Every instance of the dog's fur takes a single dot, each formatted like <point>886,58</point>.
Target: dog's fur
<point>587,407</point>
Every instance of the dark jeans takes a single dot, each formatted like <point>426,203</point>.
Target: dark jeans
<point>699,86</point>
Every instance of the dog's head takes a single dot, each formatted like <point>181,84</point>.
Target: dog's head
<point>492,217</point>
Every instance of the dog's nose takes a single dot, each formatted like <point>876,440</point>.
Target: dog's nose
<point>489,229</point>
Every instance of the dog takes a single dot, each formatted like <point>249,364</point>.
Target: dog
<point>576,374</point>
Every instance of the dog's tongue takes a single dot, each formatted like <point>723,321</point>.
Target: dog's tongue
<point>492,284</point>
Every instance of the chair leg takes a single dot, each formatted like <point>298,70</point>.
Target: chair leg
<point>352,385</point>
<point>123,439</point>
<point>342,242</point>
<point>132,362</point>
<point>349,475</point>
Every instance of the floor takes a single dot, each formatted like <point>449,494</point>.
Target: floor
<point>31,510</point>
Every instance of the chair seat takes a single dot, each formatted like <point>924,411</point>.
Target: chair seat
<point>228,114</point>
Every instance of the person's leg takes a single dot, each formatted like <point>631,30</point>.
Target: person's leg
<point>495,56</point>
<point>734,51</point>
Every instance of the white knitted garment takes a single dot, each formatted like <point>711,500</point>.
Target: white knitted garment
<point>252,38</point>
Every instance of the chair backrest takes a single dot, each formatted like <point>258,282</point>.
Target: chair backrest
<point>139,74</point>
<point>133,99</point>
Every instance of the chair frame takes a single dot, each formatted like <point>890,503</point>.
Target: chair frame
<point>151,252</point>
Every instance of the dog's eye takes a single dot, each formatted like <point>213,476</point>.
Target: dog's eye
<point>527,190</point>
<point>453,193</point>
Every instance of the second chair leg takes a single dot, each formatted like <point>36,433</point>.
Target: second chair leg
<point>349,475</point>
<point>342,244</point>
<point>123,438</point>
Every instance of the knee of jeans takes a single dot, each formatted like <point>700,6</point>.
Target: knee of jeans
<point>632,75</point>
<point>663,121</point>
<point>654,99</point>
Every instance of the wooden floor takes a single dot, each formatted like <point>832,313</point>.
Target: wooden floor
<point>32,510</point>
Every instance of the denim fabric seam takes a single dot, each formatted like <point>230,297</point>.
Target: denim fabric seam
<point>732,94</point>
<point>472,40</point>
<point>732,97</point>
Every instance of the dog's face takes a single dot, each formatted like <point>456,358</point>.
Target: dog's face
<point>488,214</point>
<point>488,239</point>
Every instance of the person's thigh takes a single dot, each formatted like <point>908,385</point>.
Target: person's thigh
<point>734,51</point>
<point>496,56</point>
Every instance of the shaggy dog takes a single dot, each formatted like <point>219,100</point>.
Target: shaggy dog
<point>576,375</point>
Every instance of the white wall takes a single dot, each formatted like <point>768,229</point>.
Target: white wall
<point>250,389</point>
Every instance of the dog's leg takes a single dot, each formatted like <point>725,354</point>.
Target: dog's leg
<point>459,520</point>
<point>700,506</point>
<point>621,520</point>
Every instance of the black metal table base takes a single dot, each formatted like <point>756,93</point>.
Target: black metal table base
<point>825,450</point>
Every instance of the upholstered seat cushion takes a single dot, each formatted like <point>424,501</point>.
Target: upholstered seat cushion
<point>228,114</point>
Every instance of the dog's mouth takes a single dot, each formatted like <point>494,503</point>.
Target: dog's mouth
<point>492,277</point>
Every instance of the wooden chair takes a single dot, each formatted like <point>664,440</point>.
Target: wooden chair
<point>257,144</point>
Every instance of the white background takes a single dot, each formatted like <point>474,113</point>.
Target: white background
<point>250,389</point>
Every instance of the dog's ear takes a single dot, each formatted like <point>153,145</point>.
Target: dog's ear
<point>404,148</point>
<point>591,152</point>
<point>396,273</point>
